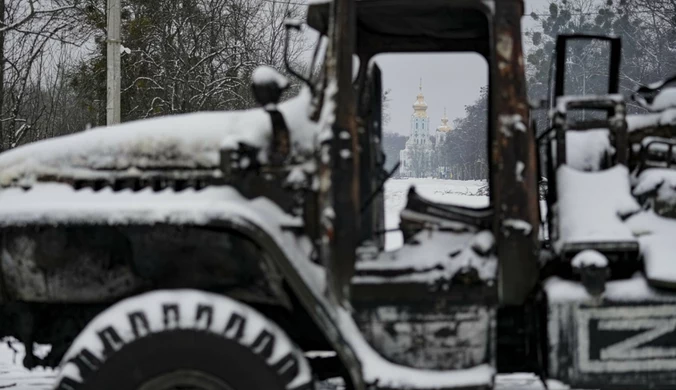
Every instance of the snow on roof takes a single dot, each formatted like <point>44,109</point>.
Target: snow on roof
<point>642,121</point>
<point>175,141</point>
<point>585,150</point>
<point>590,205</point>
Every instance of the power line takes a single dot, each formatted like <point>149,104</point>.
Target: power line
<point>533,14</point>
<point>284,2</point>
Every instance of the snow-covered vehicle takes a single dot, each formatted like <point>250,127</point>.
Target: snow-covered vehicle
<point>609,282</point>
<point>245,249</point>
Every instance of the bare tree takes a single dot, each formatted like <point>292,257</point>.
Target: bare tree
<point>32,35</point>
<point>185,56</point>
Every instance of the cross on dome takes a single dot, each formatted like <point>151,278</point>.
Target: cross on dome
<point>420,106</point>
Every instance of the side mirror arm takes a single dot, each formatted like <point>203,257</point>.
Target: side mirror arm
<point>268,86</point>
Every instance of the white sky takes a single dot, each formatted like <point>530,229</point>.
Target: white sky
<point>452,80</point>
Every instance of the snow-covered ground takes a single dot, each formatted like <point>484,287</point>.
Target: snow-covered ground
<point>14,376</point>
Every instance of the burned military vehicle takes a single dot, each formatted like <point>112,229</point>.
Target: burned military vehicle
<point>245,249</point>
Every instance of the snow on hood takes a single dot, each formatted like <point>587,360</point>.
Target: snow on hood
<point>186,141</point>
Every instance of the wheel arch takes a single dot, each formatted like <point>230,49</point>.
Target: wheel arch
<point>302,293</point>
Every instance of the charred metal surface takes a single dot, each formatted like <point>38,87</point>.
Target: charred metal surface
<point>655,153</point>
<point>522,337</point>
<point>99,264</point>
<point>372,160</point>
<point>281,143</point>
<point>431,326</point>
<point>242,170</point>
<point>515,197</point>
<point>344,155</point>
<point>421,337</point>
<point>135,180</point>
<point>614,345</point>
<point>66,264</point>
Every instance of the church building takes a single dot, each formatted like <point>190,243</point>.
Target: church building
<point>419,158</point>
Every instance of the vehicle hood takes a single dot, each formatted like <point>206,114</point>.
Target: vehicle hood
<point>184,142</point>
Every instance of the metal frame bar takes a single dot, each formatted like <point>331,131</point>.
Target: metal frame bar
<point>615,59</point>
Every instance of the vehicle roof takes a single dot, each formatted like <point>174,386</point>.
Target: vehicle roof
<point>412,25</point>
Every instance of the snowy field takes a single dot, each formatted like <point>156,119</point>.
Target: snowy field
<point>14,376</point>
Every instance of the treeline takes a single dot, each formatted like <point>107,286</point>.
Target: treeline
<point>647,29</point>
<point>467,143</point>
<point>178,56</point>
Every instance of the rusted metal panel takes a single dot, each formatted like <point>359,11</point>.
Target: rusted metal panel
<point>452,337</point>
<point>514,196</point>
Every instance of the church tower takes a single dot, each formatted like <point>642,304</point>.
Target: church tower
<point>420,122</point>
<point>443,130</point>
<point>417,155</point>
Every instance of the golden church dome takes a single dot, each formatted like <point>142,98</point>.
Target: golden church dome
<point>444,128</point>
<point>420,107</point>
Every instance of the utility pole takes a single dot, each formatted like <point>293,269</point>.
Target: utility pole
<point>114,67</point>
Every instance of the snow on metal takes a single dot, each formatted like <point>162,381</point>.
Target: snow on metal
<point>439,255</point>
<point>55,203</point>
<point>635,289</point>
<point>591,205</point>
<point>642,121</point>
<point>656,238</point>
<point>585,150</point>
<point>589,258</point>
<point>664,100</point>
<point>660,181</point>
<point>176,141</point>
<point>268,75</point>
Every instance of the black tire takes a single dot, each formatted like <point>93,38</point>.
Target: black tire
<point>183,339</point>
